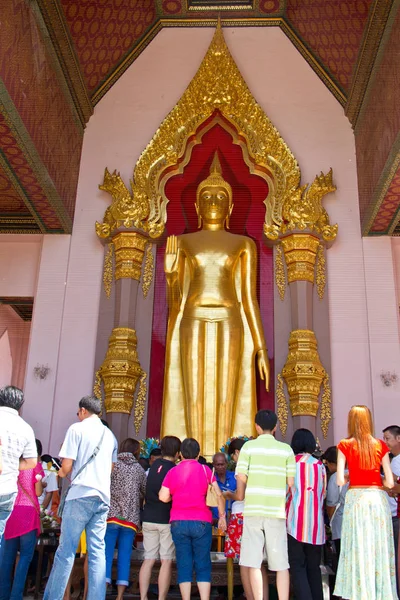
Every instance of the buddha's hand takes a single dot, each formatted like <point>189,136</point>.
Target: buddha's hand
<point>263,366</point>
<point>171,255</point>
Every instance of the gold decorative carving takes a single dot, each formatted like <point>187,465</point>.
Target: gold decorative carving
<point>148,270</point>
<point>281,405</point>
<point>129,251</point>
<point>126,210</point>
<point>120,371</point>
<point>97,385</point>
<point>280,277</point>
<point>326,406</point>
<point>303,210</point>
<point>217,88</point>
<point>140,404</point>
<point>300,250</point>
<point>321,271</point>
<point>108,269</point>
<point>303,373</point>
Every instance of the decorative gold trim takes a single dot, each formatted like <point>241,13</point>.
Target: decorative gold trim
<point>148,270</point>
<point>120,371</point>
<point>300,250</point>
<point>108,271</point>
<point>389,170</point>
<point>275,21</point>
<point>326,406</point>
<point>51,20</point>
<point>97,385</point>
<point>125,63</point>
<point>320,277</point>
<point>129,251</point>
<point>302,210</point>
<point>371,45</point>
<point>140,405</point>
<point>217,90</point>
<point>280,277</point>
<point>24,141</point>
<point>303,373</point>
<point>281,405</point>
<point>325,77</point>
<point>21,193</point>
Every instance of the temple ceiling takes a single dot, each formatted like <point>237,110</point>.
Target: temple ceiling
<point>71,52</point>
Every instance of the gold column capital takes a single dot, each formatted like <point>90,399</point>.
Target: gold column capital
<point>129,247</point>
<point>300,250</point>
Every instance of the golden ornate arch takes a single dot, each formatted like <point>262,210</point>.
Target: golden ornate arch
<point>217,86</point>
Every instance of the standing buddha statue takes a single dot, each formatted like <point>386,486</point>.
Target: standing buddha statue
<point>214,325</point>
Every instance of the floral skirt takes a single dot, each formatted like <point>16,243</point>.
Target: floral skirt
<point>367,565</point>
<point>233,536</point>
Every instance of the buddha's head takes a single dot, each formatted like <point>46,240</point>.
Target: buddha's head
<point>214,197</point>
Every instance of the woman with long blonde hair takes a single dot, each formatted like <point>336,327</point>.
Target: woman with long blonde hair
<point>366,565</point>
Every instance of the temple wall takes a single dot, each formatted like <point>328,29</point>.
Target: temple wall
<point>315,128</point>
<point>19,263</point>
<point>383,327</point>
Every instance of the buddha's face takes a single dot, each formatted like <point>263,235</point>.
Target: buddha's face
<point>213,204</point>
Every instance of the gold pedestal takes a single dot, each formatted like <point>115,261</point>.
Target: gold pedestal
<point>120,371</point>
<point>303,373</point>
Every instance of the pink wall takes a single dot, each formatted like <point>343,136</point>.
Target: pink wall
<point>311,122</point>
<point>45,335</point>
<point>18,338</point>
<point>383,329</point>
<point>19,263</point>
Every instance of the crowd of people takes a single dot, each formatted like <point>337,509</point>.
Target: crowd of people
<point>274,508</point>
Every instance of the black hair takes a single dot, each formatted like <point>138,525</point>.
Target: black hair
<point>330,455</point>
<point>190,448</point>
<point>91,403</point>
<point>236,444</point>
<point>266,419</point>
<point>11,397</point>
<point>393,429</point>
<point>202,460</point>
<point>144,463</point>
<point>55,462</point>
<point>39,447</point>
<point>130,445</point>
<point>303,440</point>
<point>155,452</point>
<point>170,445</point>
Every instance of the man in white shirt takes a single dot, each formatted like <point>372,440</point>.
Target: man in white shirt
<point>88,452</point>
<point>17,449</point>
<point>391,436</point>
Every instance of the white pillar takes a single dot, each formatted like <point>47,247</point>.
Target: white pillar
<point>383,327</point>
<point>45,334</point>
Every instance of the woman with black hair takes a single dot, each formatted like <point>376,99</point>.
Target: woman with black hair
<point>305,518</point>
<point>186,485</point>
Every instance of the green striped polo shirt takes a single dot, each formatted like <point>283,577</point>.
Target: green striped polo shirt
<point>267,463</point>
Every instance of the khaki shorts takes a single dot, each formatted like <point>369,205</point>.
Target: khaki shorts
<point>157,541</point>
<point>260,533</point>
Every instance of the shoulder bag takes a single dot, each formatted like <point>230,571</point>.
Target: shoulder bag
<point>211,496</point>
<point>92,457</point>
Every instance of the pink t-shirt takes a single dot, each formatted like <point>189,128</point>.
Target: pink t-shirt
<point>25,515</point>
<point>188,483</point>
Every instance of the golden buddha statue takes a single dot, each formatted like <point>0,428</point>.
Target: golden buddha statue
<point>214,325</point>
